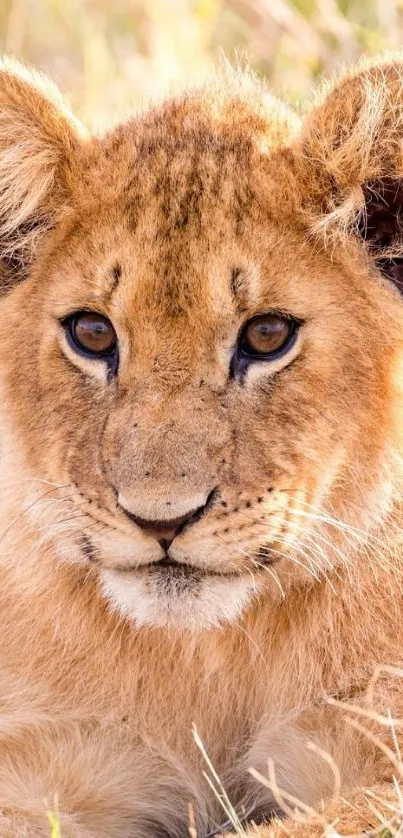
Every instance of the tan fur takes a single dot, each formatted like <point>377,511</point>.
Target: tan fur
<point>104,665</point>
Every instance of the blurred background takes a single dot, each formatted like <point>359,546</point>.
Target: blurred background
<point>109,56</point>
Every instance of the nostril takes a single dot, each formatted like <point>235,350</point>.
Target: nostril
<point>160,529</point>
<point>164,531</point>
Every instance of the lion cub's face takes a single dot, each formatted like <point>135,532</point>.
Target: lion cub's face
<point>201,391</point>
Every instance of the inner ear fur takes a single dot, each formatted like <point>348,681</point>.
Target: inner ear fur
<point>38,141</point>
<point>380,225</point>
<point>350,160</point>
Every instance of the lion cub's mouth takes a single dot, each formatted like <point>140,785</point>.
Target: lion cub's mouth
<point>170,569</point>
<point>178,594</point>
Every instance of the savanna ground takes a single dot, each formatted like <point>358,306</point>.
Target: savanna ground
<point>111,56</point>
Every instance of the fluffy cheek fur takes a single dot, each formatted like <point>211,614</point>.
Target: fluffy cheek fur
<point>150,599</point>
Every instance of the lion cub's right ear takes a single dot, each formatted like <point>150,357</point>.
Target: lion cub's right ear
<point>350,159</point>
<point>38,141</point>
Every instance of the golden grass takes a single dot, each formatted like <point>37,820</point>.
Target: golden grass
<point>112,56</point>
<point>296,811</point>
<point>53,818</point>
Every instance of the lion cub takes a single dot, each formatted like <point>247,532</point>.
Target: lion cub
<point>201,446</point>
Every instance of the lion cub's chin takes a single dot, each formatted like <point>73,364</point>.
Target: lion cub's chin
<point>193,602</point>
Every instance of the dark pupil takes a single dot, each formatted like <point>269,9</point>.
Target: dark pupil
<point>94,334</point>
<point>267,331</point>
<point>267,335</point>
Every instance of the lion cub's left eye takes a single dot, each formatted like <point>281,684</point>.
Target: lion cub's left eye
<point>91,334</point>
<point>267,336</point>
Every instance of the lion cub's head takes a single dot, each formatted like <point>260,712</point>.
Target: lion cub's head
<point>200,334</point>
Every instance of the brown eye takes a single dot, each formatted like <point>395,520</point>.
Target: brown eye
<point>266,335</point>
<point>92,333</point>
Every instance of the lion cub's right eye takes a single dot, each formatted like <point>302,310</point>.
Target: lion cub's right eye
<point>91,334</point>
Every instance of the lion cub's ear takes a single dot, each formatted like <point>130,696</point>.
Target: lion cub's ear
<point>350,159</point>
<point>38,139</point>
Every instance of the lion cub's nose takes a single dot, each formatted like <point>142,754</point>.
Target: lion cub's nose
<point>164,531</point>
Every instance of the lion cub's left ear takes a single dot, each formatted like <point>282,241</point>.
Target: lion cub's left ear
<point>350,161</point>
<point>38,141</point>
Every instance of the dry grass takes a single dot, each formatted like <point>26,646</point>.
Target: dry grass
<point>111,56</point>
<point>388,814</point>
<point>53,818</point>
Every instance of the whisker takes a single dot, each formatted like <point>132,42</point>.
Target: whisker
<point>24,511</point>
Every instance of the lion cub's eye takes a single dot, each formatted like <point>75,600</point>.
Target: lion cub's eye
<point>92,334</point>
<point>266,336</point>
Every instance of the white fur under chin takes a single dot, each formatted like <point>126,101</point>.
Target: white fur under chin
<point>216,601</point>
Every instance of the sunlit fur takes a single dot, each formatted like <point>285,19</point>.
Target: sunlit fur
<point>180,226</point>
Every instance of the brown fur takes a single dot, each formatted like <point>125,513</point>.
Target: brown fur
<point>180,226</point>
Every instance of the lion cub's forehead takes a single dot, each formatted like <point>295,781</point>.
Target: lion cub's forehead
<point>188,160</point>
<point>177,197</point>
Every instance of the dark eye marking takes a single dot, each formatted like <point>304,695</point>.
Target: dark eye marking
<point>116,273</point>
<point>239,288</point>
<point>237,281</point>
